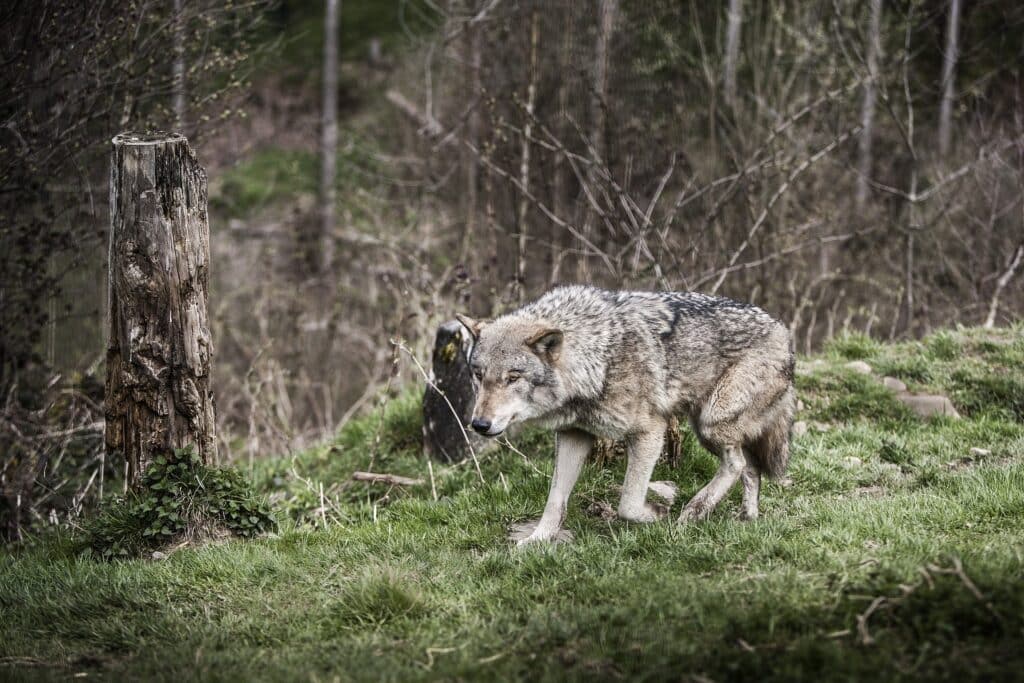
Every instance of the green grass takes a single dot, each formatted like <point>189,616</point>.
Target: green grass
<point>881,509</point>
<point>267,177</point>
<point>273,177</point>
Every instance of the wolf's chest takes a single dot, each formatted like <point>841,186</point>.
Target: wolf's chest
<point>607,421</point>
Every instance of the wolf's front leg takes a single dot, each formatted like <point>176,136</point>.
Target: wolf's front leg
<point>571,449</point>
<point>644,449</point>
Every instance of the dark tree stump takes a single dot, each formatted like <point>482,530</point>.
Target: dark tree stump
<point>159,350</point>
<point>445,430</point>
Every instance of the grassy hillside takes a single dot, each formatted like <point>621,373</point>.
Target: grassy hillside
<point>893,552</point>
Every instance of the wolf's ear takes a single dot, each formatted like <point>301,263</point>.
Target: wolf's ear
<point>547,343</point>
<point>475,327</point>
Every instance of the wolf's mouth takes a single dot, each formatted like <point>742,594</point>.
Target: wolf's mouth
<point>493,435</point>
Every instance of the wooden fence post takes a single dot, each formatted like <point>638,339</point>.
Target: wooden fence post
<point>159,349</point>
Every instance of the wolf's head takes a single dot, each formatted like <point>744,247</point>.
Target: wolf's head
<point>515,364</point>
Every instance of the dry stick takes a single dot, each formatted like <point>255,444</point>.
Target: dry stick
<point>917,197</point>
<point>426,377</point>
<point>804,165</point>
<point>508,444</point>
<point>1001,283</point>
<point>323,507</point>
<point>324,499</point>
<point>433,487</point>
<point>958,570</point>
<point>862,620</point>
<point>390,479</point>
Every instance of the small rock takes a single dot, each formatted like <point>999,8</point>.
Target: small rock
<point>157,556</point>
<point>925,405</point>
<point>851,461</point>
<point>894,384</point>
<point>859,366</point>
<point>799,428</point>
<point>980,452</point>
<point>800,405</point>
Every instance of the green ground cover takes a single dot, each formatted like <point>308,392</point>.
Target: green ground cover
<point>892,553</point>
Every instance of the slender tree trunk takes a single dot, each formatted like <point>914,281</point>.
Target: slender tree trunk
<point>732,49</point>
<point>471,57</point>
<point>159,350</point>
<point>329,134</point>
<point>599,101</point>
<point>598,107</point>
<point>867,116</point>
<point>949,76</point>
<point>178,77</point>
<point>561,186</point>
<point>524,162</point>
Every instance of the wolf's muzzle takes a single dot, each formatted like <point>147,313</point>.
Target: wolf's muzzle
<point>481,425</point>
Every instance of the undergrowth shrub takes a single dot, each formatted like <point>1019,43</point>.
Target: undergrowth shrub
<point>977,391</point>
<point>853,346</point>
<point>179,498</point>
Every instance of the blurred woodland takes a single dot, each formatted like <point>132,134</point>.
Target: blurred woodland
<point>377,165</point>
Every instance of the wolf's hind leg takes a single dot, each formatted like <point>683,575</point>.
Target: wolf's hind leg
<point>751,479</point>
<point>701,505</point>
<point>644,449</point>
<point>571,449</point>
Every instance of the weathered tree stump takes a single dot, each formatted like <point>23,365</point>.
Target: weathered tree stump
<point>159,349</point>
<point>445,435</point>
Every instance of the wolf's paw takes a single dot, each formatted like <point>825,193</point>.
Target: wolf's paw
<point>666,490</point>
<point>525,533</point>
<point>650,512</point>
<point>695,511</point>
<point>748,514</point>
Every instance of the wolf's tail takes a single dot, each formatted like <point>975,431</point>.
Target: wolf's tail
<point>771,450</point>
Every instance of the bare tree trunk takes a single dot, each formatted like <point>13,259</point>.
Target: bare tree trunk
<point>949,76</point>
<point>329,134</point>
<point>471,41</point>
<point>561,166</point>
<point>732,49</point>
<point>598,105</point>
<point>524,163</point>
<point>599,102</point>
<point>159,349</point>
<point>867,117</point>
<point>178,77</point>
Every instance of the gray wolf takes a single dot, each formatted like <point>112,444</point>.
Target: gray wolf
<point>589,363</point>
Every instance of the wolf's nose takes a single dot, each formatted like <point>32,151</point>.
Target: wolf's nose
<point>481,425</point>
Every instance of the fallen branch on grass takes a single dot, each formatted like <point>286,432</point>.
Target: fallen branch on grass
<point>389,479</point>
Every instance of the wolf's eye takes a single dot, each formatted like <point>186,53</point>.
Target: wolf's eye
<point>478,374</point>
<point>512,378</point>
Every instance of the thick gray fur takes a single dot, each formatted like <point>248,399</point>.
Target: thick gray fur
<point>593,363</point>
